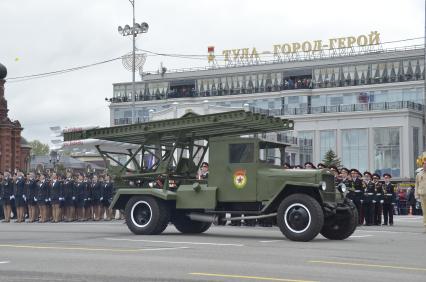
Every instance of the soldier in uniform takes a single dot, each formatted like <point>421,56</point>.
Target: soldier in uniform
<point>389,198</point>
<point>56,195</point>
<point>88,203</point>
<point>106,197</point>
<point>43,197</point>
<point>20,197</point>
<point>69,197</point>
<point>309,165</point>
<point>31,191</point>
<point>378,200</point>
<point>358,189</point>
<point>96,187</point>
<point>369,198</point>
<point>321,166</point>
<point>80,188</point>
<point>7,196</point>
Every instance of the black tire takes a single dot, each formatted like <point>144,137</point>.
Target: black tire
<point>341,225</point>
<point>185,225</point>
<point>146,215</point>
<point>300,217</point>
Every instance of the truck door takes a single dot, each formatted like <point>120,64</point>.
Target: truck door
<point>235,175</point>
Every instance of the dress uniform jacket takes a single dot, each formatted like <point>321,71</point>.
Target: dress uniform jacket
<point>107,192</point>
<point>370,193</point>
<point>87,193</point>
<point>43,192</point>
<point>7,191</point>
<point>389,196</point>
<point>358,187</point>
<point>20,197</point>
<point>31,188</point>
<point>96,188</point>
<point>69,192</point>
<point>379,192</point>
<point>56,192</point>
<point>350,189</point>
<point>80,189</point>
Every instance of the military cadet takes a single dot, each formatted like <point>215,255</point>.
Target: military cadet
<point>378,200</point>
<point>80,188</point>
<point>20,197</point>
<point>56,196</point>
<point>358,190</point>
<point>48,179</point>
<point>43,197</point>
<point>96,187</point>
<point>7,196</point>
<point>88,205</point>
<point>107,192</point>
<point>31,192</point>
<point>69,197</point>
<point>321,166</point>
<point>347,180</point>
<point>389,198</point>
<point>335,171</point>
<point>369,200</point>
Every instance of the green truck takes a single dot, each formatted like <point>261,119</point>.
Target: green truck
<point>157,183</point>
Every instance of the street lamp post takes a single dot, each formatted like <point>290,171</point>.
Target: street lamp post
<point>133,31</point>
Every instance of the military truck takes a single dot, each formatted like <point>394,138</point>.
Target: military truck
<point>157,183</point>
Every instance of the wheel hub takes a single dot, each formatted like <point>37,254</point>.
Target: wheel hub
<point>297,218</point>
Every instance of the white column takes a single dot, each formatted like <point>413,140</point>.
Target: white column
<point>370,152</point>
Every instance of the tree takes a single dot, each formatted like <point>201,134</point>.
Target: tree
<point>331,159</point>
<point>38,148</point>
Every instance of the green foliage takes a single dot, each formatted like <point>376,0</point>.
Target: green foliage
<point>39,148</point>
<point>331,159</point>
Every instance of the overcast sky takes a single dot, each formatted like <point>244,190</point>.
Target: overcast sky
<point>40,36</point>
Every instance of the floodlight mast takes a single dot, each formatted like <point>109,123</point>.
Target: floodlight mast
<point>134,31</point>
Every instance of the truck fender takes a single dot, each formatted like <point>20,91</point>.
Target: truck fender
<point>123,195</point>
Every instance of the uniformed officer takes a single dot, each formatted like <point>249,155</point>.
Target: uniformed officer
<point>106,198</point>
<point>88,205</point>
<point>57,196</point>
<point>369,200</point>
<point>321,166</point>
<point>378,199</point>
<point>31,192</point>
<point>69,197</point>
<point>309,165</point>
<point>7,196</point>
<point>43,197</point>
<point>80,197</point>
<point>358,189</point>
<point>20,197</point>
<point>96,187</point>
<point>389,199</point>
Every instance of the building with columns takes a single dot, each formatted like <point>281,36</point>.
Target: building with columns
<point>14,150</point>
<point>368,107</point>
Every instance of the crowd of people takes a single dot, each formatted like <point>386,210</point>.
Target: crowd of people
<point>45,197</point>
<point>374,195</point>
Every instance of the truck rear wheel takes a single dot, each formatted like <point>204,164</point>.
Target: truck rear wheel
<point>146,215</point>
<point>300,217</point>
<point>185,225</point>
<point>341,225</point>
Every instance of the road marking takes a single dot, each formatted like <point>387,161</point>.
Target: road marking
<point>360,236</point>
<point>368,265</point>
<point>174,242</point>
<point>271,241</point>
<point>65,248</point>
<point>4,262</point>
<point>248,277</point>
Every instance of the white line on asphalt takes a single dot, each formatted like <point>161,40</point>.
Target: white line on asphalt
<point>4,262</point>
<point>174,242</point>
<point>271,241</point>
<point>360,236</point>
<point>165,249</point>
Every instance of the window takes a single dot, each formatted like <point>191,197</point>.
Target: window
<point>241,153</point>
<point>305,144</point>
<point>386,151</point>
<point>355,149</point>
<point>327,142</point>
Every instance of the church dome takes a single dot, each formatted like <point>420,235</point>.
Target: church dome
<point>3,71</point>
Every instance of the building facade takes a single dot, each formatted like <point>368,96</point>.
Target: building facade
<point>14,151</point>
<point>368,108</point>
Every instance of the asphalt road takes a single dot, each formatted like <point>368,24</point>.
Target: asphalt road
<point>107,251</point>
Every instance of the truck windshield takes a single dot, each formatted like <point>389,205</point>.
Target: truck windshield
<point>241,153</point>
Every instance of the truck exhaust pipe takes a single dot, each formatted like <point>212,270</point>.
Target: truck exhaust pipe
<point>204,218</point>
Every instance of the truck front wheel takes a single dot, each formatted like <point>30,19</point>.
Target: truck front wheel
<point>146,215</point>
<point>185,225</point>
<point>341,225</point>
<point>300,217</point>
